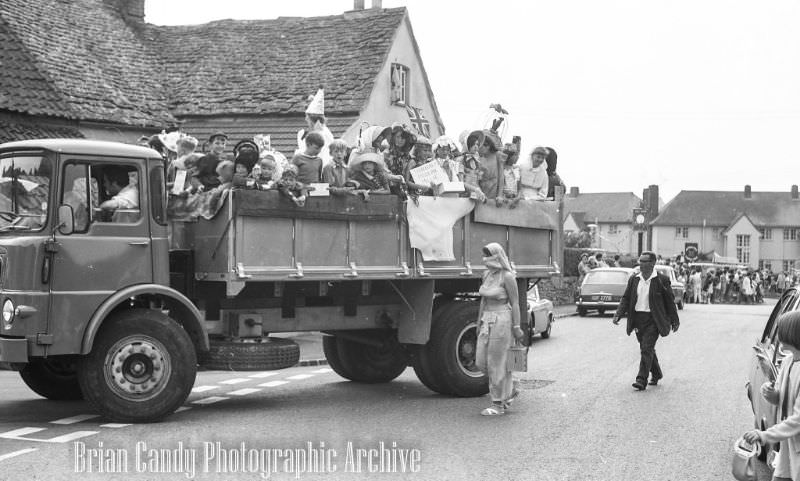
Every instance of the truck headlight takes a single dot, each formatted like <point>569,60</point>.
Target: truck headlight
<point>8,311</point>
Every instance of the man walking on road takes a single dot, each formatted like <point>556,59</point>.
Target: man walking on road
<point>649,305</point>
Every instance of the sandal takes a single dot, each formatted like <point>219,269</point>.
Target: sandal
<point>511,398</point>
<point>494,410</point>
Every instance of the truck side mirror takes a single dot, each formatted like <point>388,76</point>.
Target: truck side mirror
<point>66,219</point>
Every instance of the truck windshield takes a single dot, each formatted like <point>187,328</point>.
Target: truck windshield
<point>24,192</point>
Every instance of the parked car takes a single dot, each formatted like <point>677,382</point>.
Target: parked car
<point>540,312</point>
<point>766,360</point>
<point>678,288</point>
<point>602,289</point>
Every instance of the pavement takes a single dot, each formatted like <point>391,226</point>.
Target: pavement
<point>310,342</point>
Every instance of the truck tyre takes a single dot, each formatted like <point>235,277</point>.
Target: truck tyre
<point>370,364</point>
<point>141,368</point>
<point>53,378</point>
<point>451,351</point>
<point>425,369</point>
<point>330,347</point>
<point>272,353</point>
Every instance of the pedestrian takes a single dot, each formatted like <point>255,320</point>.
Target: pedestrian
<point>598,258</point>
<point>498,326</point>
<point>784,393</point>
<point>649,305</point>
<point>583,269</point>
<point>747,289</point>
<point>697,286</point>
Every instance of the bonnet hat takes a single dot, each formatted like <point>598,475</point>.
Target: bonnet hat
<point>445,141</point>
<point>359,159</point>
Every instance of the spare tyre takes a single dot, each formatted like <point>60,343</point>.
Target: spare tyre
<point>269,354</point>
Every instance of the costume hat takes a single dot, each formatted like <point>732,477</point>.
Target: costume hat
<point>317,103</point>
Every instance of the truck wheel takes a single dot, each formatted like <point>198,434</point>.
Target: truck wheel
<point>371,364</point>
<point>272,353</point>
<point>582,311</point>
<point>451,352</point>
<point>141,368</point>
<point>330,347</point>
<point>424,367</point>
<point>53,378</point>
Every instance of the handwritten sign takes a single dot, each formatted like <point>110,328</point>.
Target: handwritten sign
<point>429,173</point>
<point>320,189</point>
<point>180,181</point>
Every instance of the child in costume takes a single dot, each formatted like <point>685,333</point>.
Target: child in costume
<point>291,187</point>
<point>309,164</point>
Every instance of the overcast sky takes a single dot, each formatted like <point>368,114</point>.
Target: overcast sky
<point>686,94</point>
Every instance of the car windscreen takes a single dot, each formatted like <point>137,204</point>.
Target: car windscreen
<point>667,271</point>
<point>606,277</point>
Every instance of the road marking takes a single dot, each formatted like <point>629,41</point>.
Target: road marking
<point>182,408</point>
<point>115,425</point>
<point>203,388</point>
<point>20,432</point>
<point>75,419</point>
<point>244,392</point>
<point>210,400</point>
<point>273,383</point>
<point>323,371</point>
<point>17,453</point>
<point>300,376</point>
<point>262,374</point>
<point>236,380</point>
<point>71,436</point>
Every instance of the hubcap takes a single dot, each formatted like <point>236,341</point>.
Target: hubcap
<point>137,368</point>
<point>466,346</point>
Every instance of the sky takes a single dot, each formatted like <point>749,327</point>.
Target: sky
<point>683,94</point>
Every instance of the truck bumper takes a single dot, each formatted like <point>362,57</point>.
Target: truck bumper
<point>13,350</point>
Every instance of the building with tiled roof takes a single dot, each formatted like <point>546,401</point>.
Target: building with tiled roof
<point>116,77</point>
<point>609,215</point>
<point>756,228</point>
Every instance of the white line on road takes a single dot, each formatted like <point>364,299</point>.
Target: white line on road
<point>235,380</point>
<point>323,371</point>
<point>75,419</point>
<point>203,388</point>
<point>262,374</point>
<point>210,400</point>
<point>20,432</point>
<point>273,383</point>
<point>71,436</point>
<point>244,392</point>
<point>17,453</point>
<point>182,409</point>
<point>115,425</point>
<point>300,376</point>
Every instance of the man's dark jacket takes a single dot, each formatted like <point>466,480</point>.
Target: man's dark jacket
<point>662,304</point>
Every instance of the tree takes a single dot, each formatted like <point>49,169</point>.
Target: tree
<point>579,239</point>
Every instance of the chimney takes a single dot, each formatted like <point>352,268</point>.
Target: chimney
<point>377,3</point>
<point>794,192</point>
<point>652,201</point>
<point>747,192</point>
<point>574,191</point>
<point>132,11</point>
<point>358,5</point>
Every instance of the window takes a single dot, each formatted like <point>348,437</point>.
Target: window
<point>789,233</point>
<point>788,265</point>
<point>400,80</point>
<point>765,233</point>
<point>158,198</point>
<point>613,229</point>
<point>106,182</point>
<point>682,232</point>
<point>743,248</point>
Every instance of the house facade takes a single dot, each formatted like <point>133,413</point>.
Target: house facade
<point>610,218</point>
<point>118,77</point>
<point>759,229</point>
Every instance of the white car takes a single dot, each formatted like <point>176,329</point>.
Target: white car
<point>540,313</point>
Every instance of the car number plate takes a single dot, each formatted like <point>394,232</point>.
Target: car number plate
<point>601,298</point>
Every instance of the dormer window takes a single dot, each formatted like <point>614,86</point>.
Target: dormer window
<point>399,82</point>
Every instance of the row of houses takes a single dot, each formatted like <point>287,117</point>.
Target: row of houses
<point>759,229</point>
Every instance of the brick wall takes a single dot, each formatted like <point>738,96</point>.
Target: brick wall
<point>560,290</point>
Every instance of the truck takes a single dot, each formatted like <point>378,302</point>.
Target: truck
<point>122,310</point>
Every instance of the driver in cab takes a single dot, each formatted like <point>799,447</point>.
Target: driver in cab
<point>123,193</point>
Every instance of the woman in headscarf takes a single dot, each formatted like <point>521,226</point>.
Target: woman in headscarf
<point>498,326</point>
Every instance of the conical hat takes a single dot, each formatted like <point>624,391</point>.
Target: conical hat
<point>317,105</point>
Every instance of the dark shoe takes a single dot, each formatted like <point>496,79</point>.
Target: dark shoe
<point>654,381</point>
<point>639,385</point>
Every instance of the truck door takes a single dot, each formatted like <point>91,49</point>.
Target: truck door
<point>110,247</point>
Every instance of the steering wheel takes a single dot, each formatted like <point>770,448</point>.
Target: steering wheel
<point>9,216</point>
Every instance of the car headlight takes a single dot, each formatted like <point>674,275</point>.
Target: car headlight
<point>8,311</point>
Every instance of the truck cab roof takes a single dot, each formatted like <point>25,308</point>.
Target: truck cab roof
<point>83,147</point>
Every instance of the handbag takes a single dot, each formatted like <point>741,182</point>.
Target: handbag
<point>517,359</point>
<point>745,456</point>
